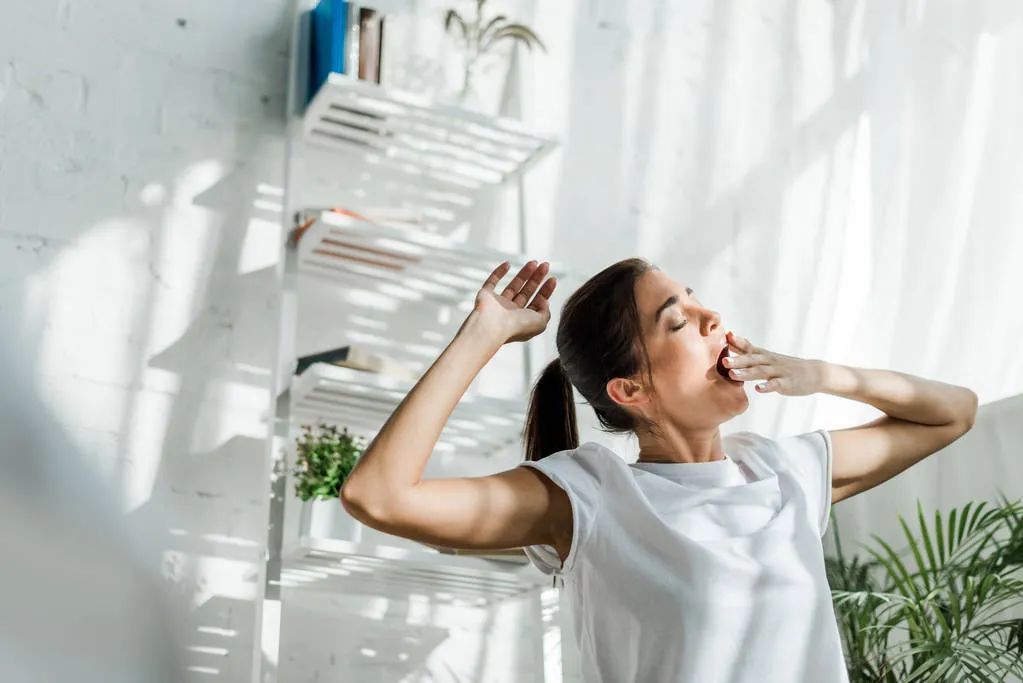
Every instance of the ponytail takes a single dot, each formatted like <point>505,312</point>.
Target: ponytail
<point>550,421</point>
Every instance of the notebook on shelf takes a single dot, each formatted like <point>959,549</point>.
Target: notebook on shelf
<point>351,356</point>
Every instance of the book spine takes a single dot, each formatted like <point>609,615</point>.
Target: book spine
<point>327,24</point>
<point>369,45</point>
<point>353,39</point>
<point>380,49</point>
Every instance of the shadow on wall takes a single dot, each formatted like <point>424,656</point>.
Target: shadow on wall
<point>210,472</point>
<point>175,200</point>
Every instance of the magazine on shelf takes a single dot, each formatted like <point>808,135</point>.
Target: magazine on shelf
<point>358,358</point>
<point>390,216</point>
<point>380,214</point>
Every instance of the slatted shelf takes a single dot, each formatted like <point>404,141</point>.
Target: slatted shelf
<point>402,262</point>
<point>363,568</point>
<point>362,402</point>
<point>410,131</point>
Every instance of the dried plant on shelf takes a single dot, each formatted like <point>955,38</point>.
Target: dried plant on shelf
<point>479,38</point>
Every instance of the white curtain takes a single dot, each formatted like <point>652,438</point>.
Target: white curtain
<point>841,180</point>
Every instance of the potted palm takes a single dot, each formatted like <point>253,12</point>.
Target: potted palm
<point>324,458</point>
<point>952,610</point>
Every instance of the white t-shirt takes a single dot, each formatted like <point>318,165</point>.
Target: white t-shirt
<point>707,572</point>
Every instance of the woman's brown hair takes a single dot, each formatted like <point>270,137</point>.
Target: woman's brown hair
<point>599,338</point>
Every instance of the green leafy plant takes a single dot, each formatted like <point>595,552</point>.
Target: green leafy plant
<point>479,38</point>
<point>938,614</point>
<point>325,457</point>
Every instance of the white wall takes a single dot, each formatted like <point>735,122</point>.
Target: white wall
<point>141,161</point>
<point>140,155</point>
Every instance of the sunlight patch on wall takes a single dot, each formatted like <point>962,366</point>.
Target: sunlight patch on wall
<point>261,247</point>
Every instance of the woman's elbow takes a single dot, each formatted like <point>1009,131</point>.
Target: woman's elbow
<point>373,507</point>
<point>359,504</point>
<point>970,412</point>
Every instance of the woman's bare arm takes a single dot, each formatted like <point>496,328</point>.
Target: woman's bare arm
<point>510,509</point>
<point>517,507</point>
<point>922,416</point>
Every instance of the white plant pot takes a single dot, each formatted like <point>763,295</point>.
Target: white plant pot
<point>329,519</point>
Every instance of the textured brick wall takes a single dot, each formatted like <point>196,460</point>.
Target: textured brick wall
<point>140,171</point>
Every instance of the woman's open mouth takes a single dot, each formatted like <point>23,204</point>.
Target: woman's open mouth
<point>721,369</point>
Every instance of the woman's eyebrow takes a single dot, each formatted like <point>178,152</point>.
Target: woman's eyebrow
<point>670,301</point>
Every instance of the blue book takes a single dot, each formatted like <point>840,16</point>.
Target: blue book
<point>327,27</point>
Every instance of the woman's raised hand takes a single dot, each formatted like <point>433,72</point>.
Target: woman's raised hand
<point>786,375</point>
<point>516,314</point>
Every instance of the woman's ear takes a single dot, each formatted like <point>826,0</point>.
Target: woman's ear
<point>627,392</point>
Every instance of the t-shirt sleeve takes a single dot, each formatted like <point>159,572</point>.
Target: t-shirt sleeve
<point>808,456</point>
<point>577,472</point>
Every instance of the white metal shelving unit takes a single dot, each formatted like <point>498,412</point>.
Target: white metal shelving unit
<point>443,146</point>
<point>332,565</point>
<point>407,264</point>
<point>364,400</point>
<point>404,129</point>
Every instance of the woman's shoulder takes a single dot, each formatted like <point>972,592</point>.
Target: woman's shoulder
<point>748,445</point>
<point>747,440</point>
<point>590,457</point>
<point>776,451</point>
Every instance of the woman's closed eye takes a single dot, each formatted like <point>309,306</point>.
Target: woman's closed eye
<point>679,326</point>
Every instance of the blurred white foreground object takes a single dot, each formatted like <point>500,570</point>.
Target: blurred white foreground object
<point>81,594</point>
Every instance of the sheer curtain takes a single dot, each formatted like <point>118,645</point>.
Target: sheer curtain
<point>841,180</point>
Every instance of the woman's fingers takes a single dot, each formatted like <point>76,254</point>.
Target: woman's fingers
<point>495,275</point>
<point>745,360</point>
<point>740,343</point>
<point>525,282</point>
<point>737,342</point>
<point>531,284</point>
<point>541,301</point>
<point>748,372</point>
<point>519,280</point>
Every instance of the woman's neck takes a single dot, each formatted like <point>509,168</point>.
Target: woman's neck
<point>678,447</point>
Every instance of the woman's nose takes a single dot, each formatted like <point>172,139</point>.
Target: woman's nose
<point>711,321</point>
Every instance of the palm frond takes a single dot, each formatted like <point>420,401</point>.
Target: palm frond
<point>452,18</point>
<point>491,25</point>
<point>935,611</point>
<point>514,32</point>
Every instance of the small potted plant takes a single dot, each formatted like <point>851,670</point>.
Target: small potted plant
<point>479,39</point>
<point>324,458</point>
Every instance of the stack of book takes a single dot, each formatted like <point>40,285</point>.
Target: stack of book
<point>345,37</point>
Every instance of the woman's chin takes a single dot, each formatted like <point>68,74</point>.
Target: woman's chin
<point>729,382</point>
<point>736,389</point>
